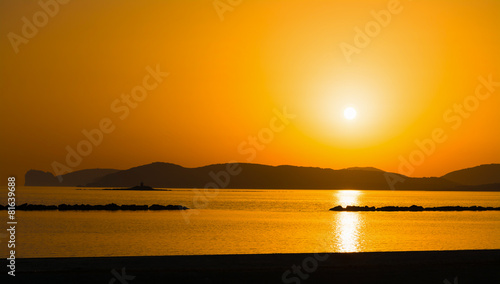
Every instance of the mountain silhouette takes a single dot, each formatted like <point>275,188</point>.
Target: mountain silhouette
<point>256,176</point>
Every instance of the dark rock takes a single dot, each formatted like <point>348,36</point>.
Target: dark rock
<point>88,207</point>
<point>413,208</point>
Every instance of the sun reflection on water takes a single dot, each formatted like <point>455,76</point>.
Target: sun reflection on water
<point>347,232</point>
<point>347,225</point>
<point>347,197</point>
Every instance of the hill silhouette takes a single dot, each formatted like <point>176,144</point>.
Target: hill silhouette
<point>483,174</point>
<point>76,178</point>
<point>260,177</point>
<point>364,169</point>
<point>255,176</point>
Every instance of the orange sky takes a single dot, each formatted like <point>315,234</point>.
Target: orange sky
<point>232,67</point>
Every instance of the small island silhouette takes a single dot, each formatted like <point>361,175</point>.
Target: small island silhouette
<point>140,187</point>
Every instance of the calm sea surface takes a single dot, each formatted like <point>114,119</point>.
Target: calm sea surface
<point>235,221</point>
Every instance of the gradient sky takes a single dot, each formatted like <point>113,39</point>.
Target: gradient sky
<point>230,70</point>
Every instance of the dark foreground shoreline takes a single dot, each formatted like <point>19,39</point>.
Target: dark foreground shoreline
<point>470,266</point>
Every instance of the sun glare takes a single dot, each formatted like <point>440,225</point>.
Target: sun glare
<point>350,113</point>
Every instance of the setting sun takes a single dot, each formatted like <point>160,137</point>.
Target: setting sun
<point>350,113</point>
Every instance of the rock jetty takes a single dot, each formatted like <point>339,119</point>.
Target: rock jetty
<point>413,208</point>
<point>87,207</point>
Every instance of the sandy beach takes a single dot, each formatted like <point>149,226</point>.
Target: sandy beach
<point>472,266</point>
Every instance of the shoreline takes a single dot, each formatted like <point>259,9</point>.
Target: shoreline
<point>469,266</point>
